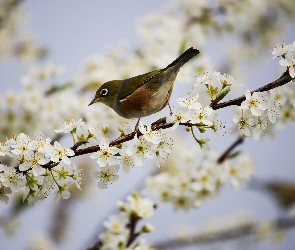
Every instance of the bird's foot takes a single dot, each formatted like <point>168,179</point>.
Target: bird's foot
<point>136,126</point>
<point>171,113</point>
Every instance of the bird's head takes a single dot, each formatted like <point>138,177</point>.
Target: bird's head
<point>107,93</point>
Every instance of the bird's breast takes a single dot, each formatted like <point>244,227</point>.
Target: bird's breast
<point>144,101</point>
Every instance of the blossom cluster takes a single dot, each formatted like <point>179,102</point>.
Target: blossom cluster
<point>215,86</point>
<point>261,110</point>
<point>44,101</point>
<point>194,108</point>
<point>256,115</point>
<point>118,234</point>
<point>191,182</point>
<point>147,144</point>
<point>40,167</point>
<point>285,95</point>
<point>38,110</point>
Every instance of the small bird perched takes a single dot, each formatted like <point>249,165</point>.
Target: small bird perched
<point>145,94</point>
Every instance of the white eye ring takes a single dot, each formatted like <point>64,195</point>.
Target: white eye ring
<point>104,92</point>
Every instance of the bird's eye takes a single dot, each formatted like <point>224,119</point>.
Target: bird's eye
<point>104,92</point>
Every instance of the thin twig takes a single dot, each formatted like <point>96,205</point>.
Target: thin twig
<point>132,234</point>
<point>226,154</point>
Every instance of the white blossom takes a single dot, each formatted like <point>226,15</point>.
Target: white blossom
<point>214,84</point>
<point>62,192</point>
<point>67,174</point>
<point>19,144</point>
<point>273,109</point>
<point>34,161</point>
<point>106,175</point>
<point>163,149</point>
<point>190,101</point>
<point>202,116</point>
<point>141,207</point>
<point>106,154</point>
<point>117,224</point>
<point>255,102</point>
<point>60,153</point>
<point>141,149</point>
<point>179,115</point>
<point>148,134</point>
<point>261,127</point>
<point>204,144</point>
<point>127,160</point>
<point>205,179</point>
<point>243,123</point>
<point>40,144</point>
<point>9,178</point>
<point>125,130</point>
<point>282,49</point>
<point>69,126</point>
<point>95,131</point>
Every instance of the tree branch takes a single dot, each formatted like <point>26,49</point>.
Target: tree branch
<point>132,235</point>
<point>161,123</point>
<point>285,78</point>
<point>227,234</point>
<point>226,154</point>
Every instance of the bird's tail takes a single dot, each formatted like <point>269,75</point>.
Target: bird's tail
<point>184,57</point>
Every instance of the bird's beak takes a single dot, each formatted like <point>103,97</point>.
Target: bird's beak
<point>94,101</point>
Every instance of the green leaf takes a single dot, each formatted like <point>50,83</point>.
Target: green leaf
<point>80,143</point>
<point>234,154</point>
<point>222,95</point>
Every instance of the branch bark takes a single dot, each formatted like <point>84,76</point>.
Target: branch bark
<point>226,154</point>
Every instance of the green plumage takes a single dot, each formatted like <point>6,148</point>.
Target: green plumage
<point>129,85</point>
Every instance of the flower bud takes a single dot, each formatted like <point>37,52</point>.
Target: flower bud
<point>147,228</point>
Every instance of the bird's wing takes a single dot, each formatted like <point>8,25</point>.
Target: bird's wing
<point>128,86</point>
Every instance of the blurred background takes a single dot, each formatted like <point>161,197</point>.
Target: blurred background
<point>122,39</point>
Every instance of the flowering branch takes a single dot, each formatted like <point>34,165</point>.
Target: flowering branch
<point>132,221</point>
<point>241,231</point>
<point>40,159</point>
<point>132,234</point>
<point>285,78</point>
<point>121,230</point>
<point>153,136</point>
<point>162,124</point>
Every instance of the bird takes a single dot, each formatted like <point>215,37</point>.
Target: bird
<point>145,94</point>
